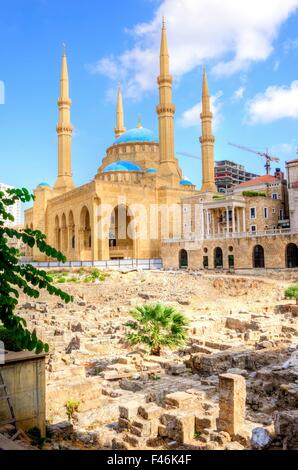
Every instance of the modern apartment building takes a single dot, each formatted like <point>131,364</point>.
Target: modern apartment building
<point>229,174</point>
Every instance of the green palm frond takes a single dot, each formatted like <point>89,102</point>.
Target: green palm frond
<point>157,325</point>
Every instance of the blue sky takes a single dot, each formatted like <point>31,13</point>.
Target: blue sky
<point>250,50</point>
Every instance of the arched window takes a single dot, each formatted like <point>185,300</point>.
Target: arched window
<point>292,256</point>
<point>258,257</point>
<point>218,258</point>
<point>183,259</point>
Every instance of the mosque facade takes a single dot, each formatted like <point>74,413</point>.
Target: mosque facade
<point>139,171</point>
<point>126,210</point>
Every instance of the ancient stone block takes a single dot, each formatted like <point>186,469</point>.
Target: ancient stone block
<point>150,411</point>
<point>179,400</point>
<point>129,410</point>
<point>286,427</point>
<point>205,422</point>
<point>62,430</point>
<point>232,396</point>
<point>179,426</point>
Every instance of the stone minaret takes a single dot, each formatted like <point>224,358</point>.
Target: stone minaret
<point>166,110</point>
<point>64,131</point>
<point>119,129</point>
<point>207,141</point>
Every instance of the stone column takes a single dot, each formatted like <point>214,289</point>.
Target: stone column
<point>244,221</point>
<point>232,396</point>
<point>94,231</point>
<point>233,220</point>
<point>228,224</point>
<point>208,227</point>
<point>213,224</point>
<point>238,221</point>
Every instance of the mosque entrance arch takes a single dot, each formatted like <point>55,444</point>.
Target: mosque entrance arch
<point>291,256</point>
<point>85,235</point>
<point>57,234</point>
<point>183,259</point>
<point>121,241</point>
<point>64,236</point>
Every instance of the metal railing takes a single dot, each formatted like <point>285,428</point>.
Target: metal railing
<point>233,235</point>
<point>146,264</point>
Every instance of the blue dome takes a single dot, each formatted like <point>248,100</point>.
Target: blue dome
<point>138,134</point>
<point>122,165</point>
<point>44,184</point>
<point>151,170</point>
<point>185,182</point>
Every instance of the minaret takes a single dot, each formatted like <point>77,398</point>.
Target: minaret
<point>207,141</point>
<point>119,129</point>
<point>64,131</point>
<point>166,110</point>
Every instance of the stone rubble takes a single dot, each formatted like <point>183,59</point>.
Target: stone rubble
<point>236,376</point>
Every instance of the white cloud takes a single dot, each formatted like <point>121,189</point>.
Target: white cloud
<point>232,34</point>
<point>284,150</point>
<point>191,117</point>
<point>276,65</point>
<point>290,44</point>
<point>238,94</point>
<point>275,103</point>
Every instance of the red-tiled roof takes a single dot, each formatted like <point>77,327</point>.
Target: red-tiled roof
<point>292,161</point>
<point>259,180</point>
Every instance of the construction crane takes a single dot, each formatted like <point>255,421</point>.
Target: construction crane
<point>189,155</point>
<point>269,158</point>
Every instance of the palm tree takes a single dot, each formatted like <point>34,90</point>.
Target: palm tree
<point>157,325</point>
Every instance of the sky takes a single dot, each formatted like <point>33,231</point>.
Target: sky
<point>250,49</point>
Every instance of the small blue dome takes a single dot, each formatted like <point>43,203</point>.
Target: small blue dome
<point>185,182</point>
<point>122,165</point>
<point>151,170</point>
<point>44,184</point>
<point>138,134</point>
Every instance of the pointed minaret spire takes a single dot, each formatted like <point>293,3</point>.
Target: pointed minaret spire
<point>119,129</point>
<point>164,51</point>
<point>64,131</point>
<point>166,110</point>
<point>207,140</point>
<point>139,121</point>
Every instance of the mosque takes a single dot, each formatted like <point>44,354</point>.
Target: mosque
<point>139,170</point>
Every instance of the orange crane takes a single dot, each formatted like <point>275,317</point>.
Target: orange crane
<point>269,158</point>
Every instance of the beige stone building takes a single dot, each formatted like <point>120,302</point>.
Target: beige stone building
<point>103,219</point>
<point>249,228</point>
<point>139,206</point>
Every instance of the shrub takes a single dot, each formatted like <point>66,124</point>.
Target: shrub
<point>253,194</point>
<point>72,407</point>
<point>36,438</point>
<point>16,277</point>
<point>156,326</point>
<point>8,339</point>
<point>292,292</point>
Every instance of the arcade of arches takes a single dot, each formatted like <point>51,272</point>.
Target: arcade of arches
<point>80,239</point>
<point>247,253</point>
